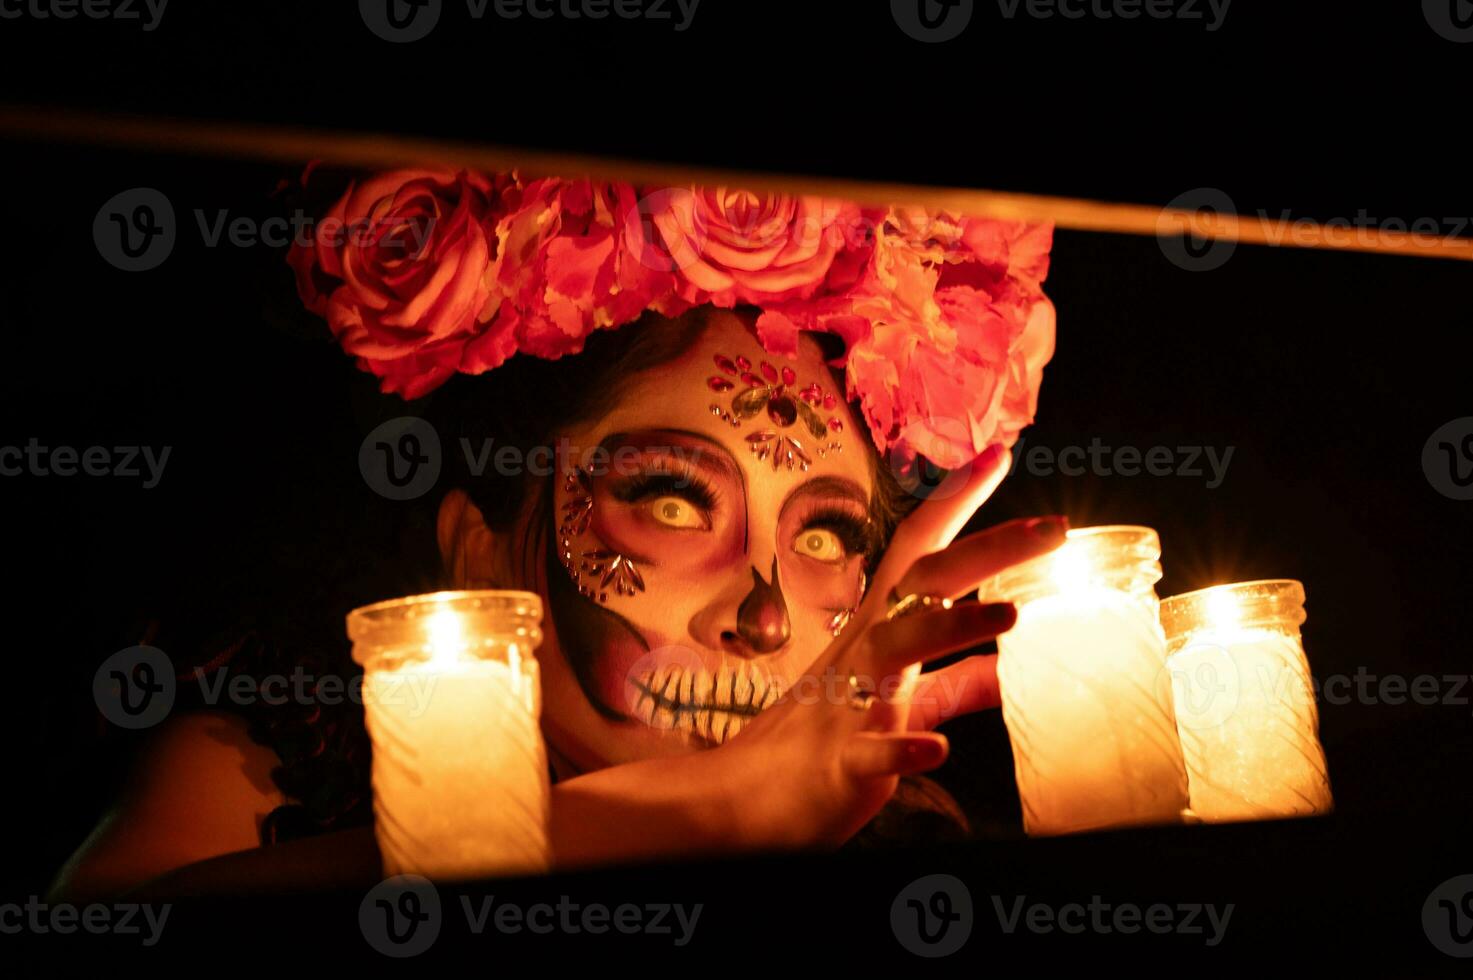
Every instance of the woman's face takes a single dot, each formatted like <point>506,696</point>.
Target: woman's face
<point>697,565</point>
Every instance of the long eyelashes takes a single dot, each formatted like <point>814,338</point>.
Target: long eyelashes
<point>659,483</point>
<point>855,533</point>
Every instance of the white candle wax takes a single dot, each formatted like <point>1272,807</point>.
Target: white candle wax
<point>1249,726</point>
<point>459,770</point>
<point>1088,711</point>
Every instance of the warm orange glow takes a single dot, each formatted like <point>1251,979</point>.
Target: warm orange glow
<point>382,151</point>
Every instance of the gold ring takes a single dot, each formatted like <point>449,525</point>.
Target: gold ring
<point>859,698</point>
<point>915,602</point>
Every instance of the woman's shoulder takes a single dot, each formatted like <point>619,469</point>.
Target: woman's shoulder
<point>200,788</point>
<point>212,753</point>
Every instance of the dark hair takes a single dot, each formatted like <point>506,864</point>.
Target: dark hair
<point>525,403</point>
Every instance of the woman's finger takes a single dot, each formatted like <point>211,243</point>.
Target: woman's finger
<point>941,516</point>
<point>895,644</point>
<point>869,755</point>
<point>977,557</point>
<point>962,688</point>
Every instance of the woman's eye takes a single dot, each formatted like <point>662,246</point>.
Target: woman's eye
<point>820,543</point>
<point>675,512</point>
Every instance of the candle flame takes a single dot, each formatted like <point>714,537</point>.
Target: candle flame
<point>1223,610</point>
<point>1070,569</point>
<point>446,636</point>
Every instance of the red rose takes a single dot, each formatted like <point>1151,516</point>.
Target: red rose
<point>398,269</point>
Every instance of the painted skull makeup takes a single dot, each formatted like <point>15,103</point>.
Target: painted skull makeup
<point>762,619</point>
<point>601,565</point>
<point>708,555</point>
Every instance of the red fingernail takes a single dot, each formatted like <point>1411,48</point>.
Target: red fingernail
<point>999,616</point>
<point>924,754</point>
<point>1049,529</point>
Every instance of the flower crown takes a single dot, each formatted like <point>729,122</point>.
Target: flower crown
<point>423,274</point>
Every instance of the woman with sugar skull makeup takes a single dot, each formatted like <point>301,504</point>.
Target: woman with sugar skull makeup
<point>740,592</point>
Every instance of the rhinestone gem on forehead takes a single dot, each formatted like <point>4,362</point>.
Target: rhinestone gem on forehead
<point>602,566</point>
<point>787,405</point>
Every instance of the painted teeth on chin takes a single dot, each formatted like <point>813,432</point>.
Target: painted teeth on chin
<point>712,705</point>
<point>742,695</point>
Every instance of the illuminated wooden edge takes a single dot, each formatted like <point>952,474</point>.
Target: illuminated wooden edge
<point>379,151</point>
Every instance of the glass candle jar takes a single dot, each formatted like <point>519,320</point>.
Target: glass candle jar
<point>452,697</point>
<point>1085,697</point>
<point>1245,705</point>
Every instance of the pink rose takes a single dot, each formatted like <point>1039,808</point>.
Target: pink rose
<point>960,333</point>
<point>397,267</point>
<point>570,263</point>
<point>734,246</point>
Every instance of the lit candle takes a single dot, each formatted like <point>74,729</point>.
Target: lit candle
<point>1084,696</point>
<point>452,696</point>
<point>1245,704</point>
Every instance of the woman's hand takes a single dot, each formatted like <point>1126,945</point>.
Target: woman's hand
<point>813,769</point>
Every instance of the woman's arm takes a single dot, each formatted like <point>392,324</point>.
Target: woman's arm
<point>200,789</point>
<point>662,808</point>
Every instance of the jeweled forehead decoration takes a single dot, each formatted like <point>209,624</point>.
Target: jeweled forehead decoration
<point>775,389</point>
<point>594,569</point>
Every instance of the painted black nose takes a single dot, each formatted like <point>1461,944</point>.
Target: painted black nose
<point>762,618</point>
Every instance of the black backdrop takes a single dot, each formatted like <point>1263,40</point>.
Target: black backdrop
<point>1326,373</point>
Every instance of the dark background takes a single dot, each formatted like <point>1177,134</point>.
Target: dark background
<point>1325,372</point>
